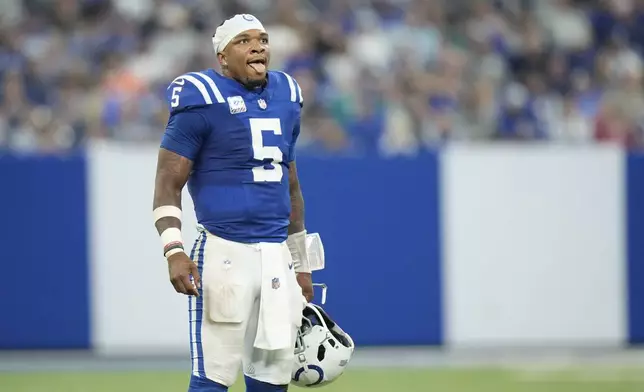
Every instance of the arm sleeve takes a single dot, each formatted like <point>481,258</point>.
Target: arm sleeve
<point>185,133</point>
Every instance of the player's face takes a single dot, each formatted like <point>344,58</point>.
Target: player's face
<point>247,57</point>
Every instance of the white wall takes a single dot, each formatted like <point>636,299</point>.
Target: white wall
<point>533,249</point>
<point>134,305</point>
<point>533,245</point>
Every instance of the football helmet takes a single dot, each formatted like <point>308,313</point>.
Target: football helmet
<point>322,349</point>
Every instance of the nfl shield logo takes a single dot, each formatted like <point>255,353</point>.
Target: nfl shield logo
<point>276,283</point>
<point>262,104</point>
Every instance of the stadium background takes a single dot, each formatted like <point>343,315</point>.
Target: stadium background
<point>473,167</point>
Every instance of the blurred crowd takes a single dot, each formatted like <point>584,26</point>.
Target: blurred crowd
<point>384,77</point>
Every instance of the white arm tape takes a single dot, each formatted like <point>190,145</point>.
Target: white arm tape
<point>170,235</point>
<point>315,251</point>
<point>166,211</point>
<point>297,246</point>
<point>174,251</point>
<point>172,241</point>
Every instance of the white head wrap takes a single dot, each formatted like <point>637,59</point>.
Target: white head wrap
<point>233,27</point>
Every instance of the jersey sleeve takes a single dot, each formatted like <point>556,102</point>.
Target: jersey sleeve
<point>294,89</point>
<point>186,132</point>
<point>187,97</point>
<point>187,91</point>
<point>300,97</point>
<point>295,94</point>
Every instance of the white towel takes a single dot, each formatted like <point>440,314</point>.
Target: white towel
<point>275,324</point>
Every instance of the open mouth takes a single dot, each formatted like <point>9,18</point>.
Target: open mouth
<point>258,65</point>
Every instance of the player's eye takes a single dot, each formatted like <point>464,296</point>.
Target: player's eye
<point>243,41</point>
<point>264,40</point>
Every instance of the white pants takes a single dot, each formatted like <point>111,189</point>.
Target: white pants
<point>224,319</point>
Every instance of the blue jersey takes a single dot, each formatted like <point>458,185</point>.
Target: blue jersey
<point>241,143</point>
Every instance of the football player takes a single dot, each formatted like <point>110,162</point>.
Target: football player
<point>231,137</point>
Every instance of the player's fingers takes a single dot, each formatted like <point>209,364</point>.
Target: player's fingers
<point>178,285</point>
<point>196,276</point>
<point>190,288</point>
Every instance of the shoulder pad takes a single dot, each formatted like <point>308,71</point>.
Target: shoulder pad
<point>294,88</point>
<point>192,89</point>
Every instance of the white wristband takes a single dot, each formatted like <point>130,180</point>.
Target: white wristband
<point>171,237</point>
<point>172,241</point>
<point>173,251</point>
<point>297,246</point>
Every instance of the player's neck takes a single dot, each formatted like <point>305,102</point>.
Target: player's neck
<point>248,86</point>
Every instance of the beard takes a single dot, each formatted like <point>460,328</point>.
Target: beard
<point>252,84</point>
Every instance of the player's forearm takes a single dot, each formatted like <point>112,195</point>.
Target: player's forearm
<point>165,195</point>
<point>296,240</point>
<point>296,224</point>
<point>172,175</point>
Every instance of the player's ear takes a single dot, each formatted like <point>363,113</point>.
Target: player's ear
<point>222,60</point>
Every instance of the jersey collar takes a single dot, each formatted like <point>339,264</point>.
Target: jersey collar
<point>238,88</point>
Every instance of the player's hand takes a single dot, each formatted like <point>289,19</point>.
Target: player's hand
<point>181,268</point>
<point>306,283</point>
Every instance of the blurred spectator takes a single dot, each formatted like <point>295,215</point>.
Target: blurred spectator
<point>388,77</point>
<point>570,125</point>
<point>612,125</point>
<point>568,27</point>
<point>518,119</point>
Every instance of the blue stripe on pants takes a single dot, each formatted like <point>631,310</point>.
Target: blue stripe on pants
<point>196,311</point>
<point>199,312</point>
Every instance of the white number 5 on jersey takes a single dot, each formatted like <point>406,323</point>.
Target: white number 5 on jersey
<point>261,152</point>
<point>175,92</point>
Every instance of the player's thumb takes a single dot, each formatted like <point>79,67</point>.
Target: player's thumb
<point>195,275</point>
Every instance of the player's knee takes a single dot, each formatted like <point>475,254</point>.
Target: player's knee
<point>202,384</point>
<point>253,385</point>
